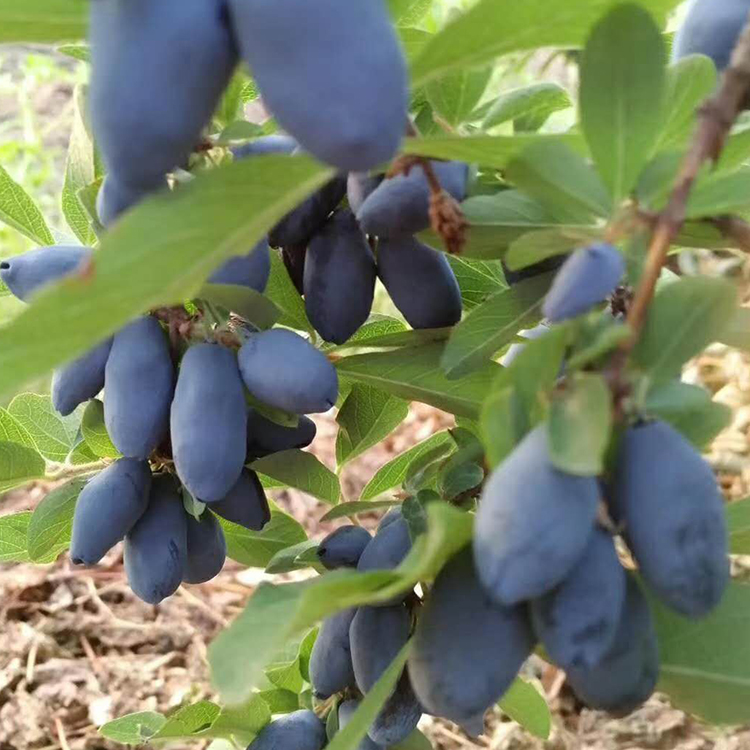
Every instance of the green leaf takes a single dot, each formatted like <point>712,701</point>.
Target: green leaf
<point>286,676</point>
<point>282,292</point>
<point>255,549</point>
<point>407,337</point>
<point>18,210</point>
<point>524,704</point>
<point>350,736</point>
<point>280,701</point>
<point>488,150</point>
<point>487,328</point>
<point>356,507</point>
<point>12,431</point>
<point>684,318</point>
<point>285,560</point>
<point>80,171</point>
<point>705,666</point>
<point>689,81</point>
<point>477,279</point>
<point>408,12</point>
<point>580,422</point>
<point>503,425</point>
<point>133,729</point>
<point>42,21</point>
<point>535,247</point>
<point>95,432</point>
<point>301,470</point>
<point>188,721</point>
<point>737,332</point>
<point>51,524</point>
<point>367,416</point>
<point>622,94</point>
<point>690,410</point>
<point>497,220</point>
<point>81,52</point>
<point>528,107</point>
<point>415,374</point>
<point>561,181</point>
<point>275,614</point>
<point>53,434</point>
<point>180,237</point>
<point>738,523</point>
<point>19,465</point>
<point>460,479</point>
<point>13,532</point>
<point>490,29</point>
<point>395,471</point>
<point>454,96</point>
<point>243,301</point>
<point>377,327</point>
<point>720,193</point>
<point>244,721</point>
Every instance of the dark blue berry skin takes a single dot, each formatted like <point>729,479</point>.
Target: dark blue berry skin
<point>81,380</point>
<point>300,730</point>
<point>400,205</point>
<point>139,385</point>
<point>26,274</point>
<point>420,281</point>
<point>388,547</point>
<point>265,437</point>
<point>346,711</point>
<point>711,28</point>
<point>108,508</point>
<point>156,547</point>
<point>301,224</point>
<point>466,649</point>
<point>209,422</point>
<point>339,279</point>
<point>533,523</point>
<point>399,716</point>
<point>245,504</point>
<point>586,278</point>
<point>331,668</point>
<point>206,549</point>
<point>267,144</point>
<point>392,515</point>
<point>343,548</point>
<point>667,499</point>
<point>285,371</point>
<point>353,62</point>
<point>359,185</point>
<point>158,72</point>
<point>251,270</point>
<point>115,198</point>
<point>627,674</point>
<point>577,621</point>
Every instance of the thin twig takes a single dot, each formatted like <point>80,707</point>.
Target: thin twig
<point>715,119</point>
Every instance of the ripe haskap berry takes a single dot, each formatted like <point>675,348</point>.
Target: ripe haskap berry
<point>667,498</point>
<point>577,621</point>
<point>108,508</point>
<point>169,64</point>
<point>343,548</point>
<point>206,549</point>
<point>139,384</point>
<point>466,649</point>
<point>533,523</point>
<point>711,28</point>
<point>400,205</point>
<point>301,730</point>
<point>245,504</point>
<point>265,437</point>
<point>80,380</point>
<point>283,370</point>
<point>353,63</point>
<point>339,279</point>
<point>627,674</point>
<point>420,281</point>
<point>26,274</point>
<point>156,547</point>
<point>586,278</point>
<point>251,270</point>
<point>209,422</point>
<point>331,668</point>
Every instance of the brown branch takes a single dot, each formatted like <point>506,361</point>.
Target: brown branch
<point>715,119</point>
